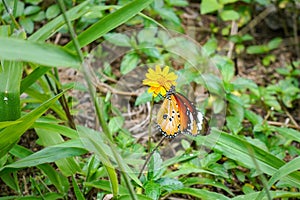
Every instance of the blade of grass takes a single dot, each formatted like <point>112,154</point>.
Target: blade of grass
<point>11,134</point>
<point>40,98</point>
<point>235,148</point>
<point>200,193</point>
<point>49,154</point>
<point>53,26</point>
<point>10,78</point>
<point>278,194</point>
<point>56,178</point>
<point>286,169</point>
<point>8,123</point>
<point>93,143</point>
<point>33,77</point>
<point>68,166</point>
<point>77,191</point>
<point>110,22</point>
<point>62,130</point>
<point>40,53</point>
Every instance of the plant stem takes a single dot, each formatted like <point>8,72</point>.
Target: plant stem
<point>148,158</point>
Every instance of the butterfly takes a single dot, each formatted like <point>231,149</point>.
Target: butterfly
<point>178,115</point>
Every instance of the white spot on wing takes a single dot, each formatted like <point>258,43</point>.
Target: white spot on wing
<point>200,120</point>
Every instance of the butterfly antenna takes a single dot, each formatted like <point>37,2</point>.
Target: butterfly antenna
<point>150,155</point>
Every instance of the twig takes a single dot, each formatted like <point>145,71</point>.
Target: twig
<point>148,158</point>
<point>283,124</point>
<point>103,87</point>
<point>234,30</point>
<point>290,116</point>
<point>107,77</point>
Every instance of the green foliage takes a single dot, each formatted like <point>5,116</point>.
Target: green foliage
<point>251,157</point>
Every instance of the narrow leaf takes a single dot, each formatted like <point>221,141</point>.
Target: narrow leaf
<point>11,134</point>
<point>111,21</point>
<point>40,53</point>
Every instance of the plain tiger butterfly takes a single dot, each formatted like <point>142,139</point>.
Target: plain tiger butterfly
<point>178,115</point>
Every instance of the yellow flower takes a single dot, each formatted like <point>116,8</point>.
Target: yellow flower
<point>160,81</point>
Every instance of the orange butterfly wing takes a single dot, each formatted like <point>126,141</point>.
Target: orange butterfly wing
<point>177,114</point>
<point>191,120</point>
<point>168,118</point>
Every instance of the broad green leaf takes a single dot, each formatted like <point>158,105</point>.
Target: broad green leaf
<point>52,11</point>
<point>27,24</point>
<point>219,105</point>
<point>236,106</point>
<point>243,83</point>
<point>110,22</point>
<point>210,47</point>
<point>234,124</point>
<point>33,2</point>
<point>50,154</point>
<point>253,117</point>
<point>168,14</point>
<point>274,43</point>
<point>178,2</point>
<point>170,184</point>
<point>151,51</point>
<point>115,124</point>
<point>227,15</point>
<point>147,35</point>
<point>152,190</point>
<point>208,6</point>
<point>40,53</point>
<point>213,84</point>
<point>155,167</point>
<point>257,49</point>
<point>143,98</point>
<point>227,69</point>
<point>272,102</point>
<point>227,1</point>
<point>29,10</point>
<point>118,39</point>
<point>129,62</point>
<point>38,17</point>
<point>11,134</point>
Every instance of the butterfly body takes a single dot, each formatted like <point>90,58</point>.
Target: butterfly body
<point>178,115</point>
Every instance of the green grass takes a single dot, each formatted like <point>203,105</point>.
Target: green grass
<point>252,153</point>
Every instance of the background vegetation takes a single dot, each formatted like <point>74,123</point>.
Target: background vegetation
<point>46,153</point>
